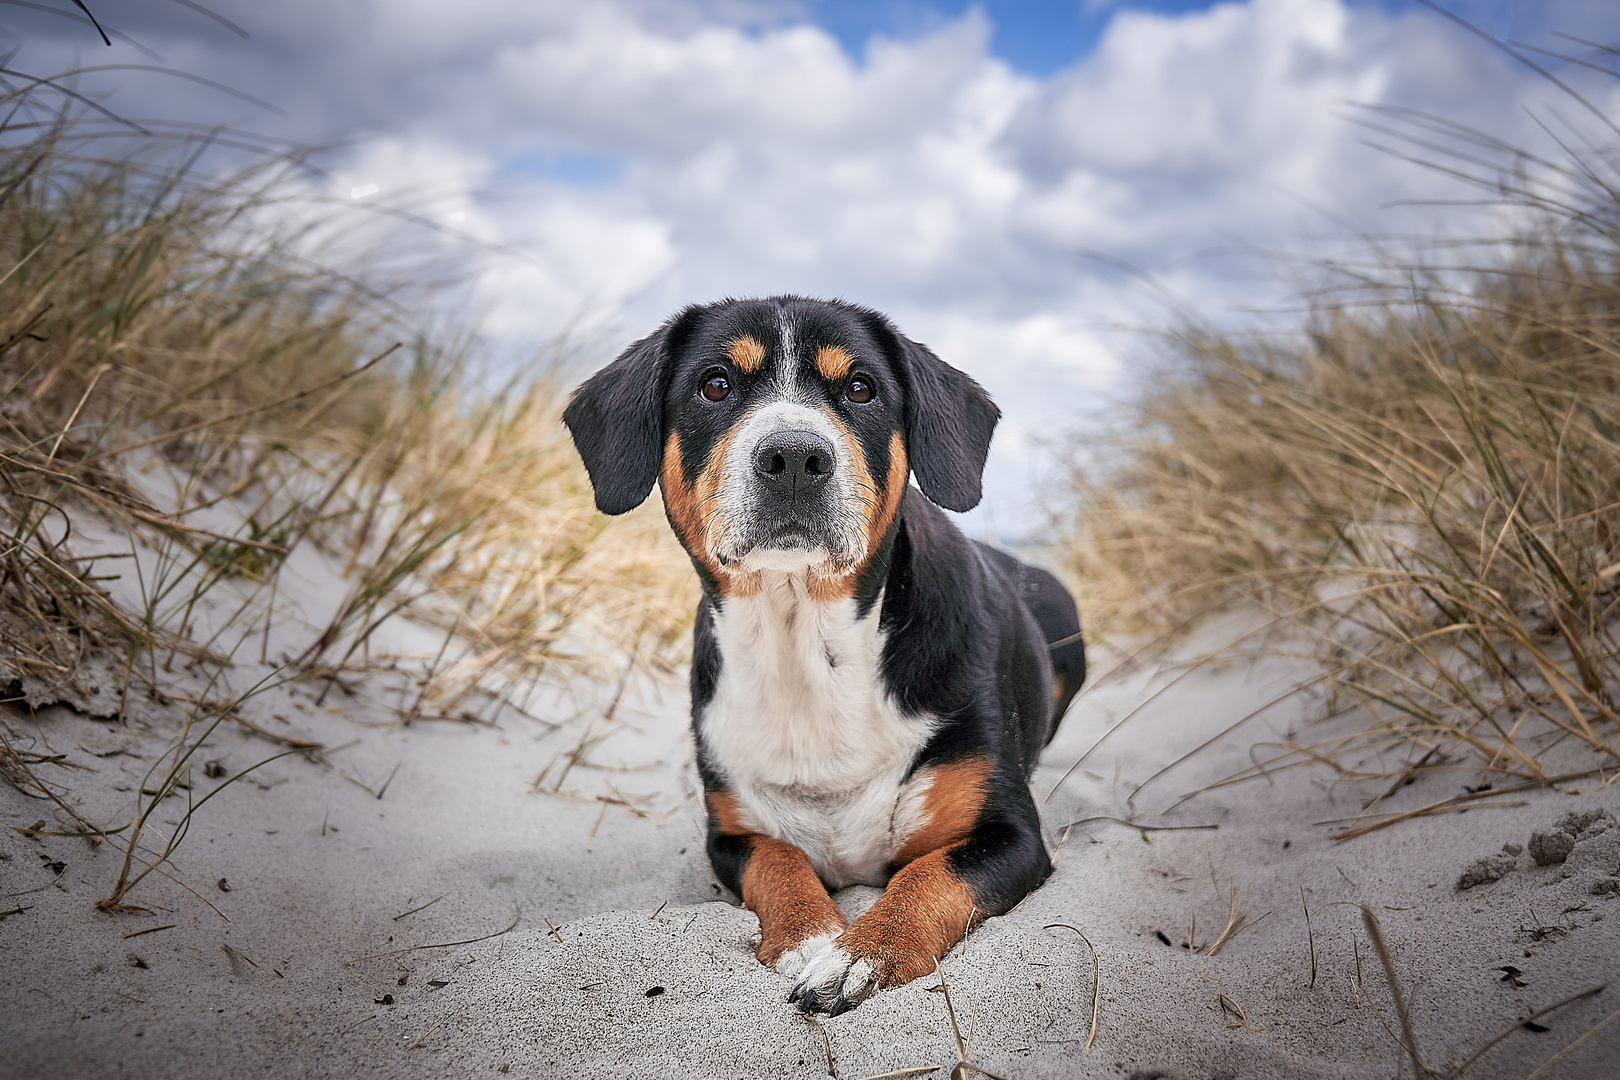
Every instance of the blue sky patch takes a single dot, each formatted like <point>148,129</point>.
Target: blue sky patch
<point>1043,36</point>
<point>567,166</point>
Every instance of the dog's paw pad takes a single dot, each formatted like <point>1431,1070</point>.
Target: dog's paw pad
<point>834,982</point>
<point>792,963</point>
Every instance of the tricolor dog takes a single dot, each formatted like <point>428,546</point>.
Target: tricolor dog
<point>870,689</point>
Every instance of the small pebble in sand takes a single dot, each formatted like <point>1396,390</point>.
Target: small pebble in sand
<point>1551,846</point>
<point>1486,870</point>
<point>1554,845</point>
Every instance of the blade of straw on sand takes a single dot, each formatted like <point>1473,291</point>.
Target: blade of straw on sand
<point>963,1065</point>
<point>1556,1058</point>
<point>1457,800</point>
<point>1139,827</point>
<point>1517,1024</point>
<point>1096,980</point>
<point>442,944</point>
<point>826,1044</point>
<point>1310,937</point>
<point>1409,1037</point>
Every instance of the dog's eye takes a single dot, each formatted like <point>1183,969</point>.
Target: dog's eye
<point>717,388</point>
<point>859,390</point>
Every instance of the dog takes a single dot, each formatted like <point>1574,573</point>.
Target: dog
<point>870,689</point>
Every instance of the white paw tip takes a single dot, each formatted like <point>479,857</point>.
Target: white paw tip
<point>792,962</point>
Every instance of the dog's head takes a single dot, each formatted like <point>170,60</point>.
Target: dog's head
<point>782,432</point>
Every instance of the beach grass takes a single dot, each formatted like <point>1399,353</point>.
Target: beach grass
<point>1419,478</point>
<point>189,367</point>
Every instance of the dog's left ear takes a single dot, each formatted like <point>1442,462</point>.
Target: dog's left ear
<point>948,417</point>
<point>617,417</point>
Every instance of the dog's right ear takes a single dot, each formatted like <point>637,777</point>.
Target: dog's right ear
<point>617,417</point>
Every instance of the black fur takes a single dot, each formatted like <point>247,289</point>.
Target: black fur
<point>949,419</point>
<point>617,417</point>
<point>967,627</point>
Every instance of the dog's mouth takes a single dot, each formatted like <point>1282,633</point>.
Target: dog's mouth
<point>784,544</point>
<point>790,536</point>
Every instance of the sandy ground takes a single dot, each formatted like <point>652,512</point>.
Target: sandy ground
<point>407,903</point>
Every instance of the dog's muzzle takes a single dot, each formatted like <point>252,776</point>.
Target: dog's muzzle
<point>792,470</point>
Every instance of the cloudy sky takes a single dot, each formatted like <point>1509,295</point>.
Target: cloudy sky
<point>984,172</point>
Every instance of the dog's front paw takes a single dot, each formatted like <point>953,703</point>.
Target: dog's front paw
<point>853,967</point>
<point>791,962</point>
<point>833,981</point>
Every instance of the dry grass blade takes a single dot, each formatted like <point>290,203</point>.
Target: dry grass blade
<point>1462,800</point>
<point>1096,981</point>
<point>1518,1024</point>
<point>826,1044</point>
<point>1138,826</point>
<point>423,1037</point>
<point>1572,1047</point>
<point>420,907</point>
<point>148,930</point>
<point>1310,935</point>
<point>517,918</point>
<point>963,1066</point>
<point>1408,1035</point>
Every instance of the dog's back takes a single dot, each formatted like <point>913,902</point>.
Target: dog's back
<point>1054,609</point>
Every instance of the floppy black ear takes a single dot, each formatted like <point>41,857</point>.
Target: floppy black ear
<point>617,419</point>
<point>949,420</point>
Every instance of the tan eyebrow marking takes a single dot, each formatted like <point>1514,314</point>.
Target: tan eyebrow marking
<point>833,362</point>
<point>747,353</point>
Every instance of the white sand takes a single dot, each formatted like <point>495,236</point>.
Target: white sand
<point>288,978</point>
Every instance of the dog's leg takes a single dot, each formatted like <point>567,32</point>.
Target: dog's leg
<point>928,906</point>
<point>797,919</point>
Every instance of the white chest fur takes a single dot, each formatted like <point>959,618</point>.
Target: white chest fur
<point>814,748</point>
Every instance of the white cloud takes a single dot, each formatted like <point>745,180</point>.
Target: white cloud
<point>926,177</point>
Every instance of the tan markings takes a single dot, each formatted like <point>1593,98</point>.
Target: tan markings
<point>693,510</point>
<point>679,501</point>
<point>877,510</point>
<point>833,362</point>
<point>747,353</point>
<point>1057,688</point>
<point>823,585</point>
<point>726,813</point>
<point>951,807</point>
<point>894,488</point>
<point>924,911</point>
<point>791,902</point>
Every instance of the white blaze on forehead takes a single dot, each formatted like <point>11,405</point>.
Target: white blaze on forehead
<point>789,366</point>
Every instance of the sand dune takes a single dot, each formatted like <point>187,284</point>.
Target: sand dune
<point>408,902</point>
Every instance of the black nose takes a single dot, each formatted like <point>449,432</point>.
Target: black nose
<point>793,462</point>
